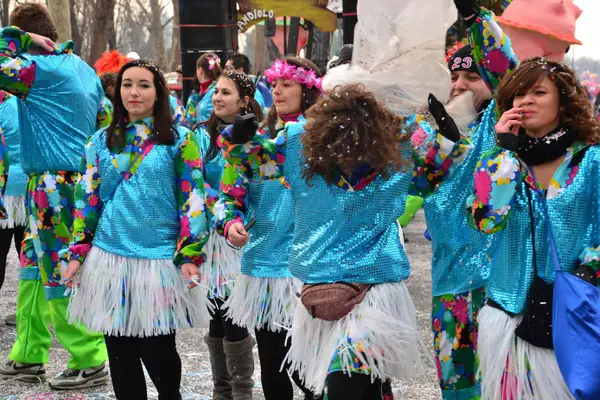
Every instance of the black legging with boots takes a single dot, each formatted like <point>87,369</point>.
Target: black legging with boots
<point>276,384</point>
<point>221,327</point>
<point>159,355</point>
<point>357,387</point>
<point>6,236</point>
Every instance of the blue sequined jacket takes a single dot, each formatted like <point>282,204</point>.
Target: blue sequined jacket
<point>61,96</point>
<point>507,203</point>
<point>340,234</point>
<point>16,184</point>
<point>460,254</point>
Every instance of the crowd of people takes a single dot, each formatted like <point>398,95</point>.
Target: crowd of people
<point>271,213</point>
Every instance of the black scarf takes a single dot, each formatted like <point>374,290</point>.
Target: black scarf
<point>554,145</point>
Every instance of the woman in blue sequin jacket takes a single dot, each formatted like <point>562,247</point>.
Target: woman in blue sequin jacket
<point>547,152</point>
<point>349,176</point>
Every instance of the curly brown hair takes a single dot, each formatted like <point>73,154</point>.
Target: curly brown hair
<point>309,95</point>
<point>348,128</point>
<point>34,18</point>
<point>576,110</point>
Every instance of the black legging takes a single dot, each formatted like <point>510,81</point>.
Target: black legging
<point>271,351</point>
<point>221,327</point>
<point>160,357</point>
<point>357,387</point>
<point>6,236</point>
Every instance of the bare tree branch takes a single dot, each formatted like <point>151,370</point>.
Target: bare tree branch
<point>167,22</point>
<point>143,8</point>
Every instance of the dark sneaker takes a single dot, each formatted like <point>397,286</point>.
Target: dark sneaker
<point>80,378</point>
<point>11,320</point>
<point>24,372</point>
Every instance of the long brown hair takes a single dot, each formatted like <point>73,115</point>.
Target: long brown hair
<point>348,128</point>
<point>575,108</point>
<point>245,87</point>
<point>309,95</point>
<point>162,129</point>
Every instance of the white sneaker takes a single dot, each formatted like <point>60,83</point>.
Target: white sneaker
<point>80,378</point>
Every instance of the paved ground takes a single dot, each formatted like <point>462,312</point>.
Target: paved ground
<point>196,381</point>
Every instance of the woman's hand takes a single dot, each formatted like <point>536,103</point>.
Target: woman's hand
<point>237,235</point>
<point>72,270</point>
<point>42,41</point>
<point>510,121</point>
<point>189,271</point>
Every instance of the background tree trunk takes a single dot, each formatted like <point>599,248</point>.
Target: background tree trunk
<point>100,26</point>
<point>4,17</point>
<point>61,15</point>
<point>75,34</point>
<point>112,33</point>
<point>176,39</point>
<point>156,33</point>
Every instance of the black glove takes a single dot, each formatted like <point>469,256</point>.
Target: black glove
<point>447,126</point>
<point>244,128</point>
<point>467,8</point>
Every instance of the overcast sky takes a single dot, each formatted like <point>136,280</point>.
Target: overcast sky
<point>588,29</point>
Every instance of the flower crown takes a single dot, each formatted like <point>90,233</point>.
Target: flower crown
<point>303,76</point>
<point>212,61</point>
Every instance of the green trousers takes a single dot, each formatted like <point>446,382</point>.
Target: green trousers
<point>34,315</point>
<point>413,204</point>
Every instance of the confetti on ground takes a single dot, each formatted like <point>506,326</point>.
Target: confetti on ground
<point>196,379</point>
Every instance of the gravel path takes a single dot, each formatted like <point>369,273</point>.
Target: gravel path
<point>196,382</point>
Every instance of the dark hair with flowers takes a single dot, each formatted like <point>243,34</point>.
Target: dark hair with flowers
<point>310,94</point>
<point>162,130</point>
<point>211,65</point>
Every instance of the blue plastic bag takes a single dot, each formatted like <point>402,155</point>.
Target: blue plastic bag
<point>576,334</point>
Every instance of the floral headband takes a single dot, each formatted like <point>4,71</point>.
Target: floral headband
<point>212,61</point>
<point>303,76</point>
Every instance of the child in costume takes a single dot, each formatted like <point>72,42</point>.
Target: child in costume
<point>54,125</point>
<point>547,152</point>
<point>139,231</point>
<point>16,184</point>
<point>264,297</point>
<point>349,176</point>
<point>460,260</point>
<point>199,104</point>
<point>229,345</point>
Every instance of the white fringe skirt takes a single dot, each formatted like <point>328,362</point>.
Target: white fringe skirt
<point>381,331</point>
<point>222,267</point>
<point>15,212</point>
<point>511,368</point>
<point>123,296</point>
<point>259,303</point>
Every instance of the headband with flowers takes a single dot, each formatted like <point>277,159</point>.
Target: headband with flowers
<point>212,61</point>
<point>303,76</point>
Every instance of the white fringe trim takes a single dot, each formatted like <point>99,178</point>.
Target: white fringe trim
<point>497,344</point>
<point>222,266</point>
<point>123,296</point>
<point>381,331</point>
<point>15,210</point>
<point>257,303</point>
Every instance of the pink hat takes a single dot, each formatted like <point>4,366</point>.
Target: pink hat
<point>555,18</point>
